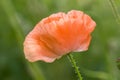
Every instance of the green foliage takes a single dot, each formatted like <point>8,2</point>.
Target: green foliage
<point>18,17</point>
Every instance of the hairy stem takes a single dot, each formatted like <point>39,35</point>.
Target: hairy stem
<point>73,62</point>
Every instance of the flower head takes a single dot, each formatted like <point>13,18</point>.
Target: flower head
<point>57,35</point>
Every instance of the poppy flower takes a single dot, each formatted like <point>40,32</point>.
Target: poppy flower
<point>57,35</point>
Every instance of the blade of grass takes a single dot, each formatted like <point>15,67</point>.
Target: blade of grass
<point>11,14</point>
<point>115,11</point>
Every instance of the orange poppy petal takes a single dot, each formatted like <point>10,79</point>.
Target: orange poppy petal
<point>33,47</point>
<point>58,35</point>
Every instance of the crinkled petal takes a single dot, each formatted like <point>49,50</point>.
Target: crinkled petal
<point>59,34</point>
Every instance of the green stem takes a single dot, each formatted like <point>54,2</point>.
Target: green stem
<point>115,11</point>
<point>73,62</point>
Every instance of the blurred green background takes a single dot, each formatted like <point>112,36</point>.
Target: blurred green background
<point>18,17</point>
